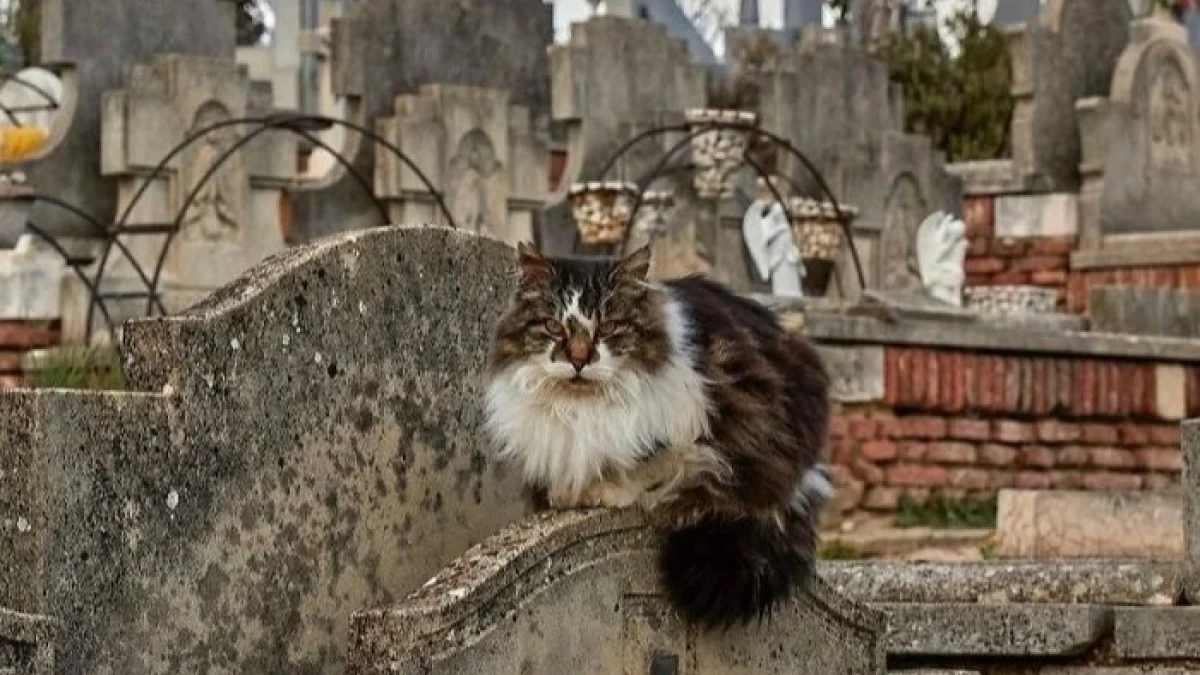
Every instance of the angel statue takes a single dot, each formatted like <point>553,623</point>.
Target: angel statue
<point>941,247</point>
<point>768,236</point>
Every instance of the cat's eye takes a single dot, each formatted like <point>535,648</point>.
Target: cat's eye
<point>606,329</point>
<point>555,329</point>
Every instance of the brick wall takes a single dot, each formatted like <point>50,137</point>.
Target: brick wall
<point>1037,261</point>
<point>19,337</point>
<point>969,424</point>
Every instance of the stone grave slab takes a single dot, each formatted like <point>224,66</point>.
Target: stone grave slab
<point>305,442</point>
<point>576,592</point>
<point>1191,509</point>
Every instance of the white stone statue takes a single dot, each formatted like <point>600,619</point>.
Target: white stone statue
<point>769,239</point>
<point>941,251</point>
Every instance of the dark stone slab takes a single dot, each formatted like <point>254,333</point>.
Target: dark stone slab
<point>308,443</point>
<point>995,630</point>
<point>1191,508</point>
<point>1158,632</point>
<point>1145,311</point>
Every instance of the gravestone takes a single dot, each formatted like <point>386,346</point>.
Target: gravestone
<point>387,48</point>
<point>1141,146</point>
<point>305,442</point>
<point>1070,53</point>
<point>80,38</point>
<point>234,220</point>
<point>577,592</point>
<point>484,153</point>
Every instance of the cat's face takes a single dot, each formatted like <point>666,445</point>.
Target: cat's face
<point>577,327</point>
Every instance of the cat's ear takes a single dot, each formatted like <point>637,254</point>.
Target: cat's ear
<point>535,269</point>
<point>635,266</point>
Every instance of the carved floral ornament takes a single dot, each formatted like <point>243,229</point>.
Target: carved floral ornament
<point>1176,8</point>
<point>719,152</point>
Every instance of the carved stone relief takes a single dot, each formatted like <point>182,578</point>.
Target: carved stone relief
<point>904,210</point>
<point>218,209</point>
<point>476,186</point>
<point>1170,117</point>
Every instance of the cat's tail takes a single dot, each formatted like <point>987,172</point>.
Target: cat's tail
<point>723,573</point>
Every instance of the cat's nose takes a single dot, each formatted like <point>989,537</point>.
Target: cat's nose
<point>579,353</point>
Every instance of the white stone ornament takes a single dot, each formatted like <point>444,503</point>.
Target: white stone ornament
<point>769,240</point>
<point>941,247</point>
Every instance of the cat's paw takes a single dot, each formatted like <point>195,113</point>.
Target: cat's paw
<point>605,495</point>
<point>563,501</point>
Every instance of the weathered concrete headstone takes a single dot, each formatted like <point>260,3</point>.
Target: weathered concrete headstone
<point>234,221</point>
<point>387,48</point>
<point>81,37</point>
<point>483,153</point>
<point>1069,54</point>
<point>1191,509</point>
<point>1141,145</point>
<point>577,593</point>
<point>305,442</point>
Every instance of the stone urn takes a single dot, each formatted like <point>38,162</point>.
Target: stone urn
<point>602,211</point>
<point>719,153</point>
<point>16,201</point>
<point>653,214</point>
<point>820,237</point>
<point>1013,300</point>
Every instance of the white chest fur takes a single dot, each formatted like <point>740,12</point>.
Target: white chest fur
<point>565,443</point>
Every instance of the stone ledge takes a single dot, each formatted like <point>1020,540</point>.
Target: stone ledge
<point>840,329</point>
<point>1145,250</point>
<point>1023,583</point>
<point>1158,632</point>
<point>994,630</point>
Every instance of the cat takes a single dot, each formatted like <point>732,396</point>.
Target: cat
<point>679,398</point>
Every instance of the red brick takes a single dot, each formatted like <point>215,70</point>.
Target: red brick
<point>867,472</point>
<point>947,452</point>
<point>1009,248</point>
<point>1073,455</point>
<point>969,430</point>
<point>1110,392</point>
<point>911,450</point>
<point>985,382</point>
<point>1133,389</point>
<point>1133,434</point>
<point>881,498</point>
<point>1010,431</point>
<point>1099,434</point>
<point>1159,482</point>
<point>1076,294</point>
<point>1033,480</point>
<point>968,379</point>
<point>1065,480</point>
<point>891,377</point>
<point>953,398</point>
<point>879,451</point>
<point>971,479</point>
<point>838,427</point>
<point>1048,278</point>
<point>997,455</point>
<point>1084,397</point>
<point>1160,459</point>
<point>1041,263</point>
<point>1052,245</point>
<point>1037,456</point>
<point>1041,402</point>
<point>1164,434</point>
<point>977,247</point>
<point>1112,458</point>
<point>920,426</point>
<point>983,266</point>
<point>933,396</point>
<point>917,475</point>
<point>915,390</point>
<point>1011,278</point>
<point>1054,431</point>
<point>862,428</point>
<point>979,216</point>
<point>10,362</point>
<point>1120,482</point>
<point>842,452</point>
<point>28,334</point>
<point>1063,381</point>
<point>10,381</point>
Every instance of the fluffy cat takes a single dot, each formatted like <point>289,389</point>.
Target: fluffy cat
<point>679,398</point>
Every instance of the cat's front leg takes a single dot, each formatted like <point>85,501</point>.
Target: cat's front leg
<point>612,493</point>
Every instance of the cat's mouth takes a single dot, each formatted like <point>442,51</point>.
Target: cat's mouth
<point>579,386</point>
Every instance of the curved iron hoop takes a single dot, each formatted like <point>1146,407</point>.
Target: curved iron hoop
<point>777,140</point>
<point>93,290</point>
<point>8,112</point>
<point>216,166</point>
<point>287,122</point>
<point>110,240</point>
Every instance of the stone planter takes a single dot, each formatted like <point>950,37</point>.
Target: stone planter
<point>602,211</point>
<point>16,201</point>
<point>1011,300</point>
<point>718,154</point>
<point>820,238</point>
<point>654,213</point>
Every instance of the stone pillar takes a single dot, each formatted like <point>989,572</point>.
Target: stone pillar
<point>1191,509</point>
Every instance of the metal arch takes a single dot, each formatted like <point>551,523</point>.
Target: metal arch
<point>93,291</point>
<point>9,112</point>
<point>265,126</point>
<point>697,129</point>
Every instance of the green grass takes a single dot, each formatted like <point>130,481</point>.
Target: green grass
<point>945,513</point>
<point>838,551</point>
<point>94,368</point>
